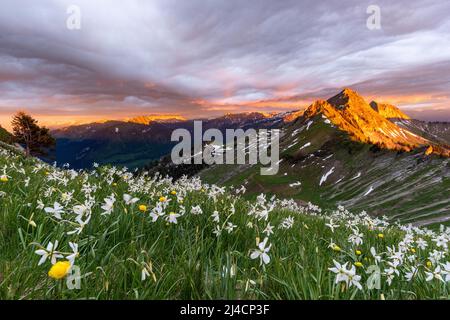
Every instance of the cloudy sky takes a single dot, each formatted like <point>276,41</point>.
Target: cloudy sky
<point>205,58</point>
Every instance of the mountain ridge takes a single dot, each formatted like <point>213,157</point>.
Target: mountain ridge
<point>351,113</point>
<point>388,111</point>
<point>347,110</point>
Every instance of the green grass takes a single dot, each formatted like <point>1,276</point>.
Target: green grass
<point>187,260</point>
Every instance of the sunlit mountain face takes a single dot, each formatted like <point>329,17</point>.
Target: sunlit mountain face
<point>200,59</point>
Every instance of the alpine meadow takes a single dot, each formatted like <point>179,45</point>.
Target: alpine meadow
<point>141,237</point>
<point>224,159</point>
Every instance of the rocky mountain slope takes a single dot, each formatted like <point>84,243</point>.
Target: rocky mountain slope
<point>388,111</point>
<point>350,113</point>
<point>438,132</point>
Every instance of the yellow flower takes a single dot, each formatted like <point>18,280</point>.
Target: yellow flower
<point>429,264</point>
<point>358,252</point>
<point>358,264</point>
<point>59,270</point>
<point>143,207</point>
<point>173,192</point>
<point>4,178</point>
<point>380,235</point>
<point>47,173</point>
<point>337,248</point>
<point>115,184</point>
<point>413,250</point>
<point>162,199</point>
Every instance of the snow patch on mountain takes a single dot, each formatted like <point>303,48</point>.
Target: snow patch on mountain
<point>325,176</point>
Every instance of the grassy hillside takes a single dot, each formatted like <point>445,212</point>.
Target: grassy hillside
<point>321,164</point>
<point>132,154</point>
<point>137,237</point>
<point>5,136</point>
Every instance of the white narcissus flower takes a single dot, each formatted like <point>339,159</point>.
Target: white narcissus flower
<point>261,252</point>
<point>287,223</point>
<point>49,252</point>
<point>40,205</point>
<point>436,256</point>
<point>80,210</point>
<point>215,216</point>
<point>81,224</point>
<point>196,210</point>
<point>411,274</point>
<point>230,227</point>
<point>356,238</point>
<point>56,211</point>
<point>436,274</point>
<point>349,277</point>
<point>353,278</point>
<point>157,212</point>
<point>263,214</point>
<point>217,231</point>
<point>71,258</point>
<point>261,199</point>
<point>390,274</point>
<point>129,200</point>
<point>331,225</point>
<point>108,206</point>
<point>172,217</point>
<point>340,271</point>
<point>375,256</point>
<point>441,241</point>
<point>446,271</point>
<point>421,244</point>
<point>268,230</point>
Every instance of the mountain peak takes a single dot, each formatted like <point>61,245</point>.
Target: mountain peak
<point>348,92</point>
<point>388,111</point>
<point>347,97</point>
<point>349,112</point>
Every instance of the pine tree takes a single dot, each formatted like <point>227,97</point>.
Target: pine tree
<point>34,138</point>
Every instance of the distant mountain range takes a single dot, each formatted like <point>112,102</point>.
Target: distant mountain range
<point>137,141</point>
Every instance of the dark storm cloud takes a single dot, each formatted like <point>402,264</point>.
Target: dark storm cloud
<point>191,57</point>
